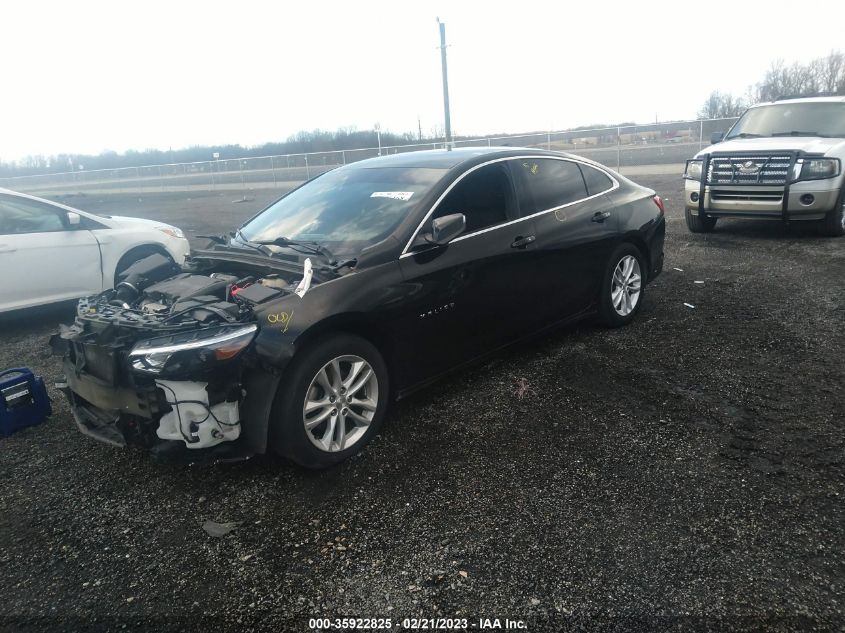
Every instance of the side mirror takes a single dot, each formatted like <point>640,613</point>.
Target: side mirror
<point>73,219</point>
<point>447,228</point>
<point>716,137</point>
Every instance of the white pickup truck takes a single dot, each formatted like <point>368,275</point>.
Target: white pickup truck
<point>781,160</point>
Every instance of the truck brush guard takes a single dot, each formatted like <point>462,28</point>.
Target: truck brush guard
<point>753,169</point>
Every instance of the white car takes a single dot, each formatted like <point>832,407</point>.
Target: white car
<point>50,252</point>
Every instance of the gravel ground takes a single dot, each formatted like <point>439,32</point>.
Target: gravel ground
<point>683,473</point>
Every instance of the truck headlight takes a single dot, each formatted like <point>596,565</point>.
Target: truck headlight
<point>693,170</point>
<point>191,351</point>
<point>816,168</point>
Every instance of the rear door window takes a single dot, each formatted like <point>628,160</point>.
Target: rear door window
<point>597,181</point>
<point>548,183</point>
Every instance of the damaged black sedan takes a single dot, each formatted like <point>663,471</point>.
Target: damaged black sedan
<point>294,332</point>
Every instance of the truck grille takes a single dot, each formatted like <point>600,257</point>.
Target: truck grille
<point>756,169</point>
<point>720,195</point>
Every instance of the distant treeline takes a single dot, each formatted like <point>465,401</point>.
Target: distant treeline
<point>299,143</point>
<point>823,75</point>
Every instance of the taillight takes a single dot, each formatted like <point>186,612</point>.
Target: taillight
<point>659,202</point>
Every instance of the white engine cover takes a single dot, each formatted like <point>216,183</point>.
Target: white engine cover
<point>212,424</point>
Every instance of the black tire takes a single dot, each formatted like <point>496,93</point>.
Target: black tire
<point>699,223</point>
<point>133,255</point>
<point>288,435</point>
<point>608,314</point>
<point>833,224</point>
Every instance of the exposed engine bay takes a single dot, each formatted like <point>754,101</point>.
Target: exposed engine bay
<point>158,360</point>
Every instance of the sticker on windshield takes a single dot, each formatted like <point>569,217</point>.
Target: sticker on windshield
<point>396,195</point>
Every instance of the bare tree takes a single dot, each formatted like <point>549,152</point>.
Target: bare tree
<point>721,106</point>
<point>830,73</point>
<point>821,75</point>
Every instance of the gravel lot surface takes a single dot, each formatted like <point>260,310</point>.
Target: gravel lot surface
<point>683,473</point>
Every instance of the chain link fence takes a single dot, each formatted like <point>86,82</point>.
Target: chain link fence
<point>620,147</point>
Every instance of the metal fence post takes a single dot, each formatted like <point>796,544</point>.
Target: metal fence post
<point>343,156</point>
<point>307,171</point>
<point>700,135</point>
<point>618,148</point>
<point>273,167</point>
<point>241,166</point>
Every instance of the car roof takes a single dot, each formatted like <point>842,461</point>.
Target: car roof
<point>447,159</point>
<point>27,196</point>
<point>801,100</point>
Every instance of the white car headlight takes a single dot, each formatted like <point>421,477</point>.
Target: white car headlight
<point>693,170</point>
<point>816,168</point>
<point>172,231</point>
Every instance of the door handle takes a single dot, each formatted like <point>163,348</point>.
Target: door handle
<point>522,242</point>
<point>601,216</point>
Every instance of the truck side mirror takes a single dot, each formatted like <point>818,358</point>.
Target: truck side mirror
<point>716,137</point>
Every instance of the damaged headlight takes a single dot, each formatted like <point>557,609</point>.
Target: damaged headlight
<point>693,170</point>
<point>194,350</point>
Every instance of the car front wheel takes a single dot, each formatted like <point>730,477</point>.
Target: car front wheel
<point>623,286</point>
<point>331,403</point>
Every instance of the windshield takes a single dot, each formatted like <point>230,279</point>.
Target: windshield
<point>788,119</point>
<point>345,210</point>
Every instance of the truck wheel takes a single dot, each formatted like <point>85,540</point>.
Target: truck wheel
<point>330,403</point>
<point>698,223</point>
<point>833,224</point>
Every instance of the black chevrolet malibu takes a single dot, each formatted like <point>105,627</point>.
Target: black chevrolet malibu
<point>294,332</point>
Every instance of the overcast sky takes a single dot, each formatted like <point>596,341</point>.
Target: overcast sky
<point>88,76</point>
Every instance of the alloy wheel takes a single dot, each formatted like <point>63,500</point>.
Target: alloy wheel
<point>340,403</point>
<point>626,285</point>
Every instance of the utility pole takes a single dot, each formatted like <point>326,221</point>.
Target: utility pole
<point>445,84</point>
<point>419,127</point>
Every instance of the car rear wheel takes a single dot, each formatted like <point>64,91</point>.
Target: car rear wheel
<point>699,223</point>
<point>833,224</point>
<point>331,403</point>
<point>623,286</point>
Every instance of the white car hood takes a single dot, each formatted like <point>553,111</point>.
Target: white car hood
<point>809,144</point>
<point>124,221</point>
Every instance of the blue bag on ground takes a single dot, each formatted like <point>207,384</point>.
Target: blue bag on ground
<point>23,400</point>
